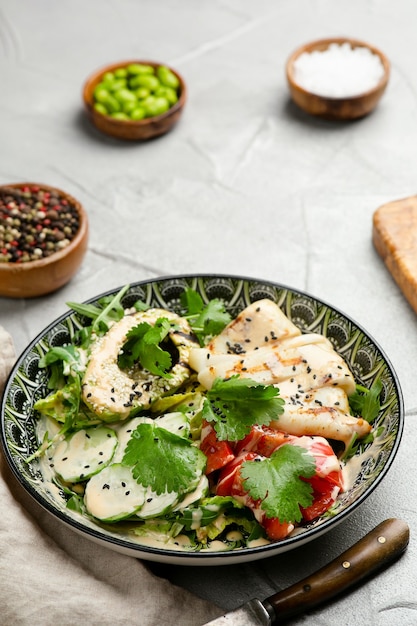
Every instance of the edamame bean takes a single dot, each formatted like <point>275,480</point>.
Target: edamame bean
<point>139,68</point>
<point>144,80</point>
<point>111,104</point>
<point>100,108</point>
<point>141,93</point>
<point>108,77</point>
<point>121,72</point>
<point>130,106</point>
<point>138,113</point>
<point>118,83</point>
<point>167,77</point>
<point>119,115</point>
<point>167,92</point>
<point>156,107</point>
<point>101,93</point>
<point>124,95</point>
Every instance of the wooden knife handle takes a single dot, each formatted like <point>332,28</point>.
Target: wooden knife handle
<point>372,553</point>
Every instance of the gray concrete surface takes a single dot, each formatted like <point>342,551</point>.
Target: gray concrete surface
<point>245,184</point>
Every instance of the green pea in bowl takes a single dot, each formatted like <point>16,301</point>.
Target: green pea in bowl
<point>371,460</point>
<point>134,100</point>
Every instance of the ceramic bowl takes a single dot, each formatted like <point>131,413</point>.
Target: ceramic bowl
<point>130,130</point>
<point>366,359</point>
<point>336,108</point>
<point>37,278</point>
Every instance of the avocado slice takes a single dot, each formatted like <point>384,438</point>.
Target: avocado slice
<point>114,394</point>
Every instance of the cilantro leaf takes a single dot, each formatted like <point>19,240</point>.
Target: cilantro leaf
<point>234,405</point>
<point>192,301</point>
<point>365,402</point>
<point>276,481</point>
<point>143,345</point>
<point>162,460</point>
<point>206,320</point>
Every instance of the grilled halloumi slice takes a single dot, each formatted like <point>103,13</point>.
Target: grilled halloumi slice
<point>309,357</point>
<point>257,325</point>
<point>320,412</point>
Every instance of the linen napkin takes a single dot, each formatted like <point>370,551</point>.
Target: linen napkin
<point>52,575</point>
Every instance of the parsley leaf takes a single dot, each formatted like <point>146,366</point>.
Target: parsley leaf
<point>143,345</point>
<point>276,481</point>
<point>162,460</point>
<point>205,320</point>
<point>236,404</point>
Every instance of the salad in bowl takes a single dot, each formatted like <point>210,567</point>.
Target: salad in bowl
<point>201,426</point>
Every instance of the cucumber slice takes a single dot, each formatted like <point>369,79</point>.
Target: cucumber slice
<point>84,453</point>
<point>157,504</point>
<point>199,492</point>
<point>176,422</point>
<point>114,494</point>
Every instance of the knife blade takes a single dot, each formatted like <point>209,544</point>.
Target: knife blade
<point>375,551</point>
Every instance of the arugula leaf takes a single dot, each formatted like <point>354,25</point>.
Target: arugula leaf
<point>365,402</point>
<point>205,320</point>
<point>109,309</point>
<point>143,345</point>
<point>162,460</point>
<point>235,404</point>
<point>276,481</point>
<point>64,361</point>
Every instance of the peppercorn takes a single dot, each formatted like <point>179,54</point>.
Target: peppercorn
<point>34,223</point>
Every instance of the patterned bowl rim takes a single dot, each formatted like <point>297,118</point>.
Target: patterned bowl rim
<point>208,558</point>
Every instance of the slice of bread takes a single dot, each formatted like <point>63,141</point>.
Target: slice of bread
<point>394,236</point>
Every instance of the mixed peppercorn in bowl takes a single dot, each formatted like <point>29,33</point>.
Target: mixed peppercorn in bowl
<point>43,239</point>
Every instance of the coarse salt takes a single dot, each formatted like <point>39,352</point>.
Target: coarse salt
<point>340,71</point>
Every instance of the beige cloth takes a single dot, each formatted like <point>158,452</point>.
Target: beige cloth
<point>51,575</point>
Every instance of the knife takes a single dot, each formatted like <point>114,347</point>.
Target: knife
<point>380,547</point>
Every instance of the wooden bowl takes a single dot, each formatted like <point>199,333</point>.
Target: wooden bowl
<point>39,277</point>
<point>336,108</point>
<point>130,130</point>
